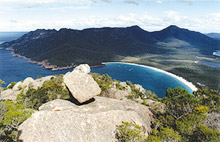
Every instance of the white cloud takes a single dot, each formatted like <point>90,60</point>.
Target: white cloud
<point>66,8</point>
<point>159,1</point>
<point>208,23</point>
<point>186,1</point>
<point>131,2</point>
<point>172,16</point>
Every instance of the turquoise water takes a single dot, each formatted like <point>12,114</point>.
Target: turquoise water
<point>150,79</point>
<point>16,69</point>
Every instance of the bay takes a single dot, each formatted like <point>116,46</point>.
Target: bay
<point>13,69</point>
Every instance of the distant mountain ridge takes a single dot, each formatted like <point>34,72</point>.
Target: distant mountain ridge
<point>214,35</point>
<point>96,45</point>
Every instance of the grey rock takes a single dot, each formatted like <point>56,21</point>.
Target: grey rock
<point>62,121</point>
<point>127,87</point>
<point>115,94</point>
<point>213,121</point>
<point>83,68</point>
<point>9,94</point>
<point>140,88</point>
<point>27,83</point>
<point>17,86</point>
<point>39,82</point>
<point>81,85</point>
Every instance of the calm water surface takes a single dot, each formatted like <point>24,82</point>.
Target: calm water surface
<point>15,69</point>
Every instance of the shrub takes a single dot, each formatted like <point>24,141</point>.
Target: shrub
<point>11,116</point>
<point>50,90</point>
<point>130,132</point>
<point>11,85</point>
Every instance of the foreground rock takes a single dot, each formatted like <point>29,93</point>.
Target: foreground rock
<point>63,121</point>
<point>81,85</point>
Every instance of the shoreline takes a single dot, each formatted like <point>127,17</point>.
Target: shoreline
<point>45,64</point>
<point>181,79</point>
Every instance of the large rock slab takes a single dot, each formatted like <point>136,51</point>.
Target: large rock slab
<point>63,121</point>
<point>81,85</point>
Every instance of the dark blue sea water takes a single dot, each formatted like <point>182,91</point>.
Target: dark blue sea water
<point>16,69</point>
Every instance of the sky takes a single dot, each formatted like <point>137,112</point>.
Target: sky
<point>150,15</point>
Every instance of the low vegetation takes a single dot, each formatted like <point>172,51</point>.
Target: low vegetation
<point>183,119</point>
<point>11,116</point>
<point>50,90</point>
<point>129,132</point>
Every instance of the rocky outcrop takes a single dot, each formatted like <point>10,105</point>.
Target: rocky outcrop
<point>115,94</point>
<point>213,121</point>
<point>83,68</point>
<point>126,86</point>
<point>81,85</point>
<point>140,88</point>
<point>11,94</point>
<point>63,121</point>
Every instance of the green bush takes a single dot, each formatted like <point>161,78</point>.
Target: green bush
<point>204,134</point>
<point>165,135</point>
<point>50,90</point>
<point>104,81</point>
<point>11,85</point>
<point>210,98</point>
<point>185,114</point>
<point>130,132</point>
<point>11,116</point>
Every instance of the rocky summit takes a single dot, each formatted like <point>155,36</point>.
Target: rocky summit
<point>81,85</point>
<point>63,121</point>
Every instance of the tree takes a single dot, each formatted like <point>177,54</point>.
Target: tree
<point>179,102</point>
<point>130,132</point>
<point>11,116</point>
<point>210,98</point>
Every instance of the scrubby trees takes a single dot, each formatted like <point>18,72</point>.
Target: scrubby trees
<point>184,116</point>
<point>11,116</point>
<point>50,90</point>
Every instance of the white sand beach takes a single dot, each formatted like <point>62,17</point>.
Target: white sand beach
<point>187,83</point>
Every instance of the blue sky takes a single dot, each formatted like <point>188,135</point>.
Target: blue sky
<point>151,15</point>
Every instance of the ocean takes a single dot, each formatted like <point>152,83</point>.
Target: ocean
<point>14,69</point>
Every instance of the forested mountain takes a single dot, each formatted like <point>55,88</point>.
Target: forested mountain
<point>95,45</point>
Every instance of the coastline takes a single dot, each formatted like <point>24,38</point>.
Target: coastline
<point>181,79</point>
<point>45,64</point>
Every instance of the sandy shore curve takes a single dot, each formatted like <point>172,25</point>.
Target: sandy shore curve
<point>181,79</point>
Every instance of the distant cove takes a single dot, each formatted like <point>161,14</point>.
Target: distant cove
<point>15,69</point>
